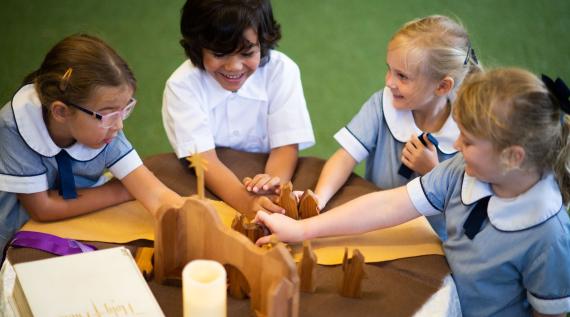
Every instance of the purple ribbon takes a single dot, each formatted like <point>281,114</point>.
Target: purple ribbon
<point>49,243</point>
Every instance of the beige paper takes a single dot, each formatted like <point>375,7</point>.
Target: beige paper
<point>130,221</point>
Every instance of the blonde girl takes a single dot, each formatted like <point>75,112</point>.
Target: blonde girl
<point>504,199</point>
<point>427,61</point>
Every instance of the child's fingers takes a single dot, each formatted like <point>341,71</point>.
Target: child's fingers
<point>264,240</point>
<point>247,182</point>
<point>258,182</point>
<point>415,141</point>
<point>298,194</point>
<point>430,145</point>
<point>268,205</point>
<point>273,182</point>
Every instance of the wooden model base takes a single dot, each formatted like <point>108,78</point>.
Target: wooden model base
<point>195,231</point>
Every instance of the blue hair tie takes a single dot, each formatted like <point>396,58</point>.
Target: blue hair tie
<point>561,92</point>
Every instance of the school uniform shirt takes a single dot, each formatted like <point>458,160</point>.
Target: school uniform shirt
<point>28,164</point>
<point>521,255</point>
<point>268,111</point>
<point>379,132</point>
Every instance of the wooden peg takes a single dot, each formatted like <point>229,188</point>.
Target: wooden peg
<point>306,268</point>
<point>200,165</point>
<point>288,201</point>
<point>353,273</point>
<point>308,205</point>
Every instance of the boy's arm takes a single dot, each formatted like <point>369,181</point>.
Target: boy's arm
<point>373,211</point>
<point>336,171</point>
<point>50,206</point>
<point>278,170</point>
<point>225,184</point>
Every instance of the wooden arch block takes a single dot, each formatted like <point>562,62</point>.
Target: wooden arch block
<point>195,231</point>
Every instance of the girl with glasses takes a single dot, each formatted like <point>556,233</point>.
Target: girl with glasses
<point>62,131</point>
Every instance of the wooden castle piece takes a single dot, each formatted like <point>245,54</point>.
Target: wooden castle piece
<point>238,287</point>
<point>307,267</point>
<point>288,201</point>
<point>308,205</point>
<point>195,231</point>
<point>353,273</point>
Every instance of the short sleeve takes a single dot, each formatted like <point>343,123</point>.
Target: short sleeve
<point>360,136</point>
<point>185,120</point>
<point>547,278</point>
<point>430,192</point>
<point>288,119</point>
<point>120,157</point>
<point>21,168</point>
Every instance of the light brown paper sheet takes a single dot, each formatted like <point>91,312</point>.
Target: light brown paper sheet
<point>130,221</point>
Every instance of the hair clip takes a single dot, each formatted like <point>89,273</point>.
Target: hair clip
<point>470,55</point>
<point>65,79</point>
<point>560,91</point>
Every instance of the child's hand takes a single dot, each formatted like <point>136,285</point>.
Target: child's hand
<point>285,229</point>
<point>264,203</point>
<point>262,184</point>
<point>419,158</point>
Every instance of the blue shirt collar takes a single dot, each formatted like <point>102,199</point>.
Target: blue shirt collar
<point>28,115</point>
<point>402,125</point>
<point>536,205</point>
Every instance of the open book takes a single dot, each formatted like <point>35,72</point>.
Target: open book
<point>99,283</point>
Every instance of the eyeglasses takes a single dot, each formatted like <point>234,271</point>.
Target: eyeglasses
<point>110,119</point>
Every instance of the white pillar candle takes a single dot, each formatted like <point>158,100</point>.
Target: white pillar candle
<point>204,289</point>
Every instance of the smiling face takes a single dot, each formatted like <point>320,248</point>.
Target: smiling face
<point>412,89</point>
<point>232,70</point>
<point>87,129</point>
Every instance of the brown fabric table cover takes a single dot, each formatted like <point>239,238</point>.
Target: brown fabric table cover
<point>392,288</point>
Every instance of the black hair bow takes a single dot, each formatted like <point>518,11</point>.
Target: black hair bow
<point>559,89</point>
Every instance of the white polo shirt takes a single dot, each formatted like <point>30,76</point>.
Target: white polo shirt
<point>267,112</point>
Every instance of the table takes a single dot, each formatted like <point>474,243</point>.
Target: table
<point>393,288</point>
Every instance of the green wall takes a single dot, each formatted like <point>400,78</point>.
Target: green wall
<point>339,46</point>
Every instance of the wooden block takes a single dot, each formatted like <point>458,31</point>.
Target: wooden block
<point>353,273</point>
<point>143,258</point>
<point>288,201</point>
<point>308,205</point>
<point>195,231</point>
<point>238,287</point>
<point>252,231</point>
<point>306,268</point>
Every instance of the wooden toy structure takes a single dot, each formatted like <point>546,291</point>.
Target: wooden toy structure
<point>195,231</point>
<point>306,268</point>
<point>306,207</point>
<point>353,270</point>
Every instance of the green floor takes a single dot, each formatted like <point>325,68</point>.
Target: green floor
<point>339,45</point>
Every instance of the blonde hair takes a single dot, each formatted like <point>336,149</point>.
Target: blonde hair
<point>441,47</point>
<point>512,106</point>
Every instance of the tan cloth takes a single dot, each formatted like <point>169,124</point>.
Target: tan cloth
<point>130,221</point>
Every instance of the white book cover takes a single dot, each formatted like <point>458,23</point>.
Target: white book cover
<point>99,283</point>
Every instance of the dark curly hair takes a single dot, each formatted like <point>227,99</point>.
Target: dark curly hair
<point>219,25</point>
